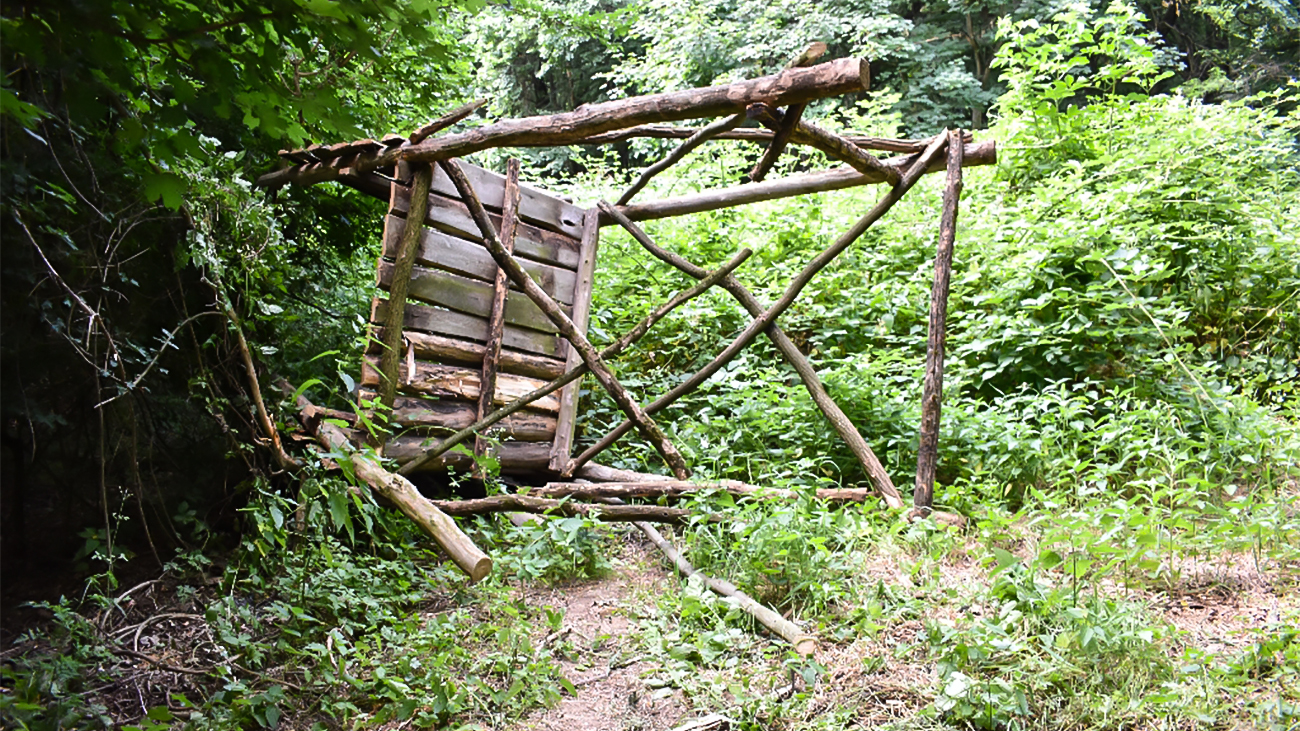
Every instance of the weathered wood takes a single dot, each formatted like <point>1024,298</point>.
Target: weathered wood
<point>531,242</point>
<point>459,325</point>
<point>446,121</point>
<point>401,279</point>
<point>399,491</point>
<point>682,150</point>
<point>578,340</point>
<point>982,153</point>
<point>456,350</point>
<point>804,643</point>
<point>521,458</point>
<point>795,86</point>
<point>797,360</point>
<point>497,321</point>
<point>759,136</point>
<point>439,416</point>
<point>792,291</point>
<point>830,143</point>
<point>531,504</point>
<point>810,55</point>
<point>445,381</point>
<point>462,294</point>
<point>459,256</point>
<point>927,453</point>
<point>536,207</point>
<point>577,372</point>
<point>785,127</point>
<point>586,282</point>
<point>666,488</point>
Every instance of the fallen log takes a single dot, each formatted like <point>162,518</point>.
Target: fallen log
<point>676,488</point>
<point>804,643</point>
<point>399,491</point>
<point>530,504</point>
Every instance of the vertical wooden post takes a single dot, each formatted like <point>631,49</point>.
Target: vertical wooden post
<point>421,179</point>
<point>567,419</point>
<point>928,453</point>
<point>497,318</point>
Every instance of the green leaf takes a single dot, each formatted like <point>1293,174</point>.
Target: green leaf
<point>167,187</point>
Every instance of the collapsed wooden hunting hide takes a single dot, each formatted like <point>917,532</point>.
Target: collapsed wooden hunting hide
<point>486,284</point>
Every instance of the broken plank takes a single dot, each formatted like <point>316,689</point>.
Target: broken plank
<point>436,379</point>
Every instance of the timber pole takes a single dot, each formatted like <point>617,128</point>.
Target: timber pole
<point>927,456</point>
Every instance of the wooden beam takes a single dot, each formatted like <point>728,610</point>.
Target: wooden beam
<point>497,320</point>
<point>982,153</point>
<point>795,86</point>
<point>927,454</point>
<point>581,312</point>
<point>792,291</point>
<point>422,176</point>
<point>758,136</point>
<point>531,504</point>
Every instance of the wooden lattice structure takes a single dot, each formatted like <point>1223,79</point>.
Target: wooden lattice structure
<point>483,321</point>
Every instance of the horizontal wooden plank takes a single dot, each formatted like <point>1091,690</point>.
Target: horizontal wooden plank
<point>442,349</point>
<point>468,327</point>
<point>535,206</point>
<point>515,457</point>
<point>445,381</point>
<point>459,256</point>
<point>471,296</point>
<point>531,242</point>
<point>450,416</point>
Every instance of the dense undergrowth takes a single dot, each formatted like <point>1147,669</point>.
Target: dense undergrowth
<point>1121,421</point>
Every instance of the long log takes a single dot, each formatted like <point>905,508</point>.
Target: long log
<point>758,136</point>
<point>981,153</point>
<point>497,320</point>
<point>532,504</point>
<point>676,488</point>
<point>399,491</point>
<point>797,360</point>
<point>787,298</point>
<point>614,349</point>
<point>804,643</point>
<point>794,86</point>
<point>927,453</point>
<point>636,415</point>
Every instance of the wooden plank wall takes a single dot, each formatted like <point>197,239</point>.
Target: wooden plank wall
<point>446,320</point>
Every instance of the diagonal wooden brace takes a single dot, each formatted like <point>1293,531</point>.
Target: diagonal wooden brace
<point>840,148</point>
<point>792,292</point>
<point>786,347</point>
<point>725,124</point>
<point>636,415</point>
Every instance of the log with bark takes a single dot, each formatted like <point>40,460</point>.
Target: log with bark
<point>980,153</point>
<point>515,503</point>
<point>758,136</point>
<point>927,453</point>
<point>793,86</point>
<point>399,491</point>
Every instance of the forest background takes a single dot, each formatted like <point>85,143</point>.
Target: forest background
<point>1124,326</point>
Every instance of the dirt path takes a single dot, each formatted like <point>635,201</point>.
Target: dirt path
<point>608,664</point>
